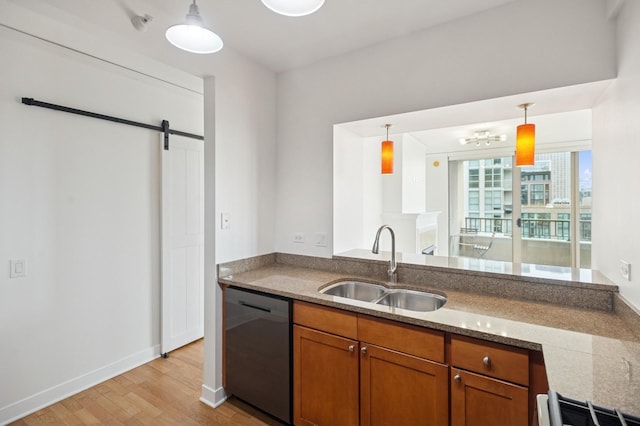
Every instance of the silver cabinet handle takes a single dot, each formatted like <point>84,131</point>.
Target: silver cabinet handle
<point>486,361</point>
<point>352,348</point>
<point>457,378</point>
<point>363,350</point>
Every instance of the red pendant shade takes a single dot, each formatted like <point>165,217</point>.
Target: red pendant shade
<point>387,157</point>
<point>525,145</point>
<point>525,141</point>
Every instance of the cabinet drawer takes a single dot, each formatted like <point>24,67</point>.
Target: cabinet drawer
<point>330,320</point>
<point>491,359</point>
<point>412,340</point>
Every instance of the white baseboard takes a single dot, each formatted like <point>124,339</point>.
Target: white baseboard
<point>42,399</point>
<point>212,397</point>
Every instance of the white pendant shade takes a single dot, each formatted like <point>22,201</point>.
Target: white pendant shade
<point>194,39</point>
<point>192,36</point>
<point>293,7</point>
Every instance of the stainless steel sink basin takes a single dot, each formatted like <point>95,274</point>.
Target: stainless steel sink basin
<point>412,300</point>
<point>366,292</point>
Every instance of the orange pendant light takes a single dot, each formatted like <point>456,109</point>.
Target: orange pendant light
<point>387,154</point>
<point>525,141</point>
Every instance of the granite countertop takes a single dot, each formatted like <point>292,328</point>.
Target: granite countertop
<point>589,355</point>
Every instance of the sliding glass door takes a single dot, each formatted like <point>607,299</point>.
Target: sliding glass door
<point>539,214</point>
<point>481,208</point>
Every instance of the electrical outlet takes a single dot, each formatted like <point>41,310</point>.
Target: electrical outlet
<point>298,237</point>
<point>321,239</point>
<point>625,270</point>
<point>18,268</point>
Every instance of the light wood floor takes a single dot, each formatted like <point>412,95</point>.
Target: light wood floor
<point>161,392</point>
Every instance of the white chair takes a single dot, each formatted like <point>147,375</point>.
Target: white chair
<point>480,245</point>
<point>466,238</point>
<point>481,248</point>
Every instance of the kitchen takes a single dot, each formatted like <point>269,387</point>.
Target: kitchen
<point>273,172</point>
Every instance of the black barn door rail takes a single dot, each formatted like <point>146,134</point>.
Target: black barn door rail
<point>164,128</point>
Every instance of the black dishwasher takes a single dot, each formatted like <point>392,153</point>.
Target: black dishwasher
<point>258,350</point>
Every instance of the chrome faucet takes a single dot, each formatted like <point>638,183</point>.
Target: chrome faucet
<point>391,272</point>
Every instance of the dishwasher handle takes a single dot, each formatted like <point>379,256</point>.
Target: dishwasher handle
<point>249,305</point>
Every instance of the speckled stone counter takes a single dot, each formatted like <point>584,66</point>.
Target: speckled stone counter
<point>589,355</point>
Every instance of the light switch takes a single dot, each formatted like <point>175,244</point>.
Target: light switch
<point>17,268</point>
<point>225,221</point>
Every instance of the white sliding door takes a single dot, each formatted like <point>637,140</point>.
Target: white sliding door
<point>182,243</point>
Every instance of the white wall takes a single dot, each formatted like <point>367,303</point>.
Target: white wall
<point>572,44</point>
<point>81,202</point>
<point>616,149</point>
<point>413,175</point>
<point>372,195</point>
<point>245,159</point>
<point>348,190</point>
<point>437,197</point>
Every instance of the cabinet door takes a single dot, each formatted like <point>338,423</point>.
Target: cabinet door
<point>482,401</point>
<point>400,389</point>
<point>325,379</point>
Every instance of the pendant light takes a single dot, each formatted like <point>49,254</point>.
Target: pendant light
<point>525,141</point>
<point>293,7</point>
<point>192,35</point>
<point>387,154</point>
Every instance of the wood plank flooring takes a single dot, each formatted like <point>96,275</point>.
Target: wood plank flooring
<point>161,392</point>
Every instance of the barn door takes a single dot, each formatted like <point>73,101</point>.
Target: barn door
<point>182,243</point>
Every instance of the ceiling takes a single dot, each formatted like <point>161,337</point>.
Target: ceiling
<point>246,26</point>
<point>440,129</point>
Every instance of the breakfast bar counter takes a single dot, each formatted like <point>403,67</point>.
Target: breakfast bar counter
<point>588,354</point>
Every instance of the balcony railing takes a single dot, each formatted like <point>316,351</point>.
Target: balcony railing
<point>549,229</point>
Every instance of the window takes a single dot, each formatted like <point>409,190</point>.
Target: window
<point>563,226</point>
<point>474,178</point>
<point>538,194</point>
<point>492,201</point>
<point>474,201</point>
<point>493,178</point>
<point>546,212</point>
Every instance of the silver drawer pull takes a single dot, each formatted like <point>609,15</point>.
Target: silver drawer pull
<point>486,361</point>
<point>363,350</point>
<point>352,348</point>
<point>457,378</point>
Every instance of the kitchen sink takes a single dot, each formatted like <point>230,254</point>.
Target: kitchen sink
<point>377,294</point>
<point>412,300</point>
<point>366,292</point>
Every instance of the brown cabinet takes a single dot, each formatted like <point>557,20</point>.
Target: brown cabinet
<point>402,378</point>
<point>347,364</point>
<point>400,389</point>
<point>325,378</point>
<point>353,369</point>
<point>489,384</point>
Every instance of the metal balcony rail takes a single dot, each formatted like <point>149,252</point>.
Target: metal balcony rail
<point>548,229</point>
